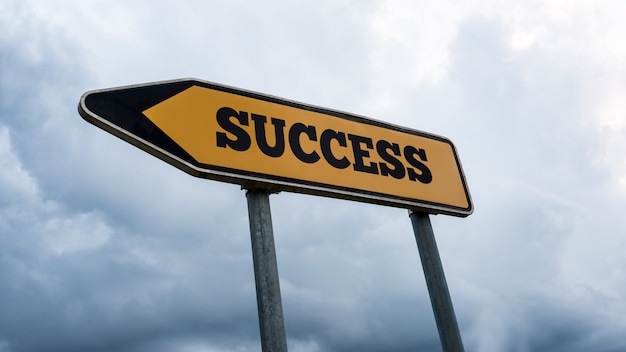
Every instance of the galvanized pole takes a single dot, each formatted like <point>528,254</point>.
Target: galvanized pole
<point>436,282</point>
<point>269,305</point>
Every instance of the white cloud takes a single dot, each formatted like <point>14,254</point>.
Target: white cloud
<point>41,224</point>
<point>415,37</point>
<point>86,231</point>
<point>16,183</point>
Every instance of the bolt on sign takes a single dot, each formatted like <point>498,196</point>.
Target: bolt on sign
<point>261,141</point>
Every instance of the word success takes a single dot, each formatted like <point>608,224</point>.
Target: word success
<point>339,149</point>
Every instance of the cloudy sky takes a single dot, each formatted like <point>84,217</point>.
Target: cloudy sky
<point>105,248</point>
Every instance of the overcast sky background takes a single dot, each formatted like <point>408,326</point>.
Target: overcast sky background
<point>106,248</point>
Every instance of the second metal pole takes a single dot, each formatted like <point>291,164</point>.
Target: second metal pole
<point>436,282</point>
<point>269,305</point>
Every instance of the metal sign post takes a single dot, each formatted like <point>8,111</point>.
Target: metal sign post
<point>269,305</point>
<point>436,282</point>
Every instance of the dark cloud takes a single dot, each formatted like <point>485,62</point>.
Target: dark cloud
<point>103,247</point>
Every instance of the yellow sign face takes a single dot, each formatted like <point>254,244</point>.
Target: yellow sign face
<point>283,145</point>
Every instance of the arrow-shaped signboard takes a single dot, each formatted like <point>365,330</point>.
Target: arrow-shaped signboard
<point>260,141</point>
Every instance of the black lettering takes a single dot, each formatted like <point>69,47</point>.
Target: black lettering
<point>424,175</point>
<point>261,139</point>
<point>325,139</point>
<point>294,141</point>
<point>242,140</point>
<point>382,148</point>
<point>359,154</point>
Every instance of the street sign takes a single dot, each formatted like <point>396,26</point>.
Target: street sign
<point>261,141</point>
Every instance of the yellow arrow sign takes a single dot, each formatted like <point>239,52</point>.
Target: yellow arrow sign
<point>254,139</point>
